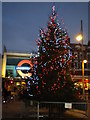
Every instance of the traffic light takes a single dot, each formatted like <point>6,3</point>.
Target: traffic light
<point>11,81</point>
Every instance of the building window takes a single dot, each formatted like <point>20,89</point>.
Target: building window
<point>80,65</point>
<point>78,72</point>
<point>88,65</point>
<point>76,55</point>
<point>85,65</point>
<point>88,57</point>
<point>80,56</point>
<point>9,73</point>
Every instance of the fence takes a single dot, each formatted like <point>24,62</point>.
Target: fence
<point>56,110</point>
<point>45,110</point>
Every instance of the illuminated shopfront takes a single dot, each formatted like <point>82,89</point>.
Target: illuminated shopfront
<point>16,65</point>
<point>86,84</point>
<point>16,68</point>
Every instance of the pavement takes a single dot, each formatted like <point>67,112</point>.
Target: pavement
<point>17,109</point>
<point>76,113</point>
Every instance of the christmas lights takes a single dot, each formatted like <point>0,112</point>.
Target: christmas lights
<point>51,71</point>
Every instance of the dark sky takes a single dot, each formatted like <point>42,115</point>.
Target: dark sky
<point>21,22</point>
<point>89,21</point>
<point>0,28</point>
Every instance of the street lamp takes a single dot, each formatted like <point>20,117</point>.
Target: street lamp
<point>84,61</point>
<point>80,38</point>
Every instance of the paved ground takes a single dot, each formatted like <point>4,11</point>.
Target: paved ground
<point>17,109</point>
<point>45,119</point>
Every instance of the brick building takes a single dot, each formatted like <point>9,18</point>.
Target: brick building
<point>77,50</point>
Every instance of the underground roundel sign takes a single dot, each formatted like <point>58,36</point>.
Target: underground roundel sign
<point>20,68</point>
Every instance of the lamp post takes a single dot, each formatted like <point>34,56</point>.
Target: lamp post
<point>80,38</point>
<point>84,61</point>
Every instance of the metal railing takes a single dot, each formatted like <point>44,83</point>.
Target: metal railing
<point>45,110</point>
<point>56,110</point>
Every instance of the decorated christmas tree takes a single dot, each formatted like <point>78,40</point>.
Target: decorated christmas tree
<point>52,75</point>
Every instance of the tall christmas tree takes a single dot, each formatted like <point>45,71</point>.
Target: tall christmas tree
<point>52,75</point>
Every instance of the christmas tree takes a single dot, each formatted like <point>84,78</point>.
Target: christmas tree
<point>52,75</point>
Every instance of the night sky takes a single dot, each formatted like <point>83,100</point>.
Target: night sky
<point>21,22</point>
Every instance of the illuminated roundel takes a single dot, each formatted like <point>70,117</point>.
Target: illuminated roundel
<point>20,68</point>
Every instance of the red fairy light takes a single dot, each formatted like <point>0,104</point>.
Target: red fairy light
<point>36,87</point>
<point>49,31</point>
<point>64,72</point>
<point>53,8</point>
<point>49,24</point>
<point>65,51</point>
<point>51,17</point>
<point>54,17</point>
<point>52,20</point>
<point>67,37</point>
<point>52,88</point>
<point>57,67</point>
<point>39,91</point>
<point>54,84</point>
<point>51,67</point>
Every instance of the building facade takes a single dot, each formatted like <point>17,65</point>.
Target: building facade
<point>77,51</point>
<point>16,67</point>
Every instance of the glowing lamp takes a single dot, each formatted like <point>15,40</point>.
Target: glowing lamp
<point>79,37</point>
<point>85,61</point>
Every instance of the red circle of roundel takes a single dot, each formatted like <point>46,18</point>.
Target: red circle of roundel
<point>20,64</point>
